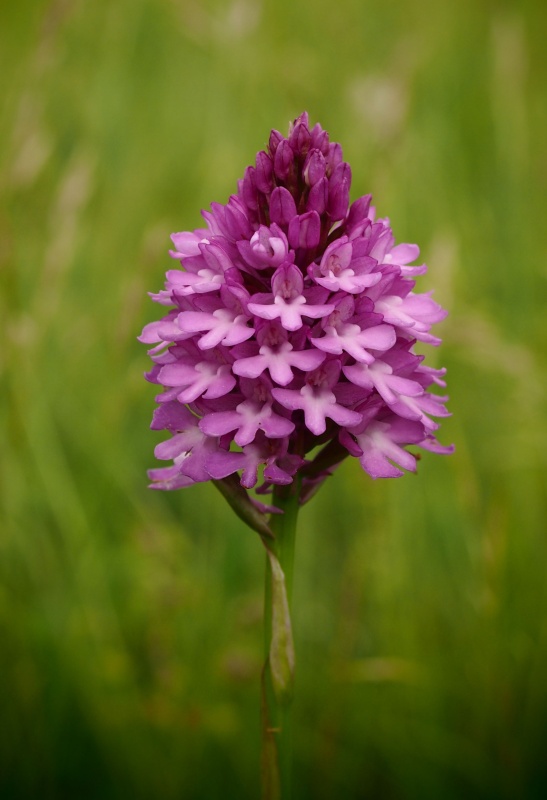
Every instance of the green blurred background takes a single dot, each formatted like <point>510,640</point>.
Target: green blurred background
<point>130,621</point>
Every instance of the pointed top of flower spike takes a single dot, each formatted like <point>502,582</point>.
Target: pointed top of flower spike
<point>292,323</point>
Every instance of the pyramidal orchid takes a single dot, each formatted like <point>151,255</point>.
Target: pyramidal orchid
<point>291,325</point>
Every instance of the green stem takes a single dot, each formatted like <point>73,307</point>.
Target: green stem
<point>277,675</point>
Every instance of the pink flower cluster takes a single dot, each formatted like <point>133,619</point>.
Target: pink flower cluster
<point>292,324</point>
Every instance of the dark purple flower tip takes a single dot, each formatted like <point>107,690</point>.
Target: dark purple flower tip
<point>282,206</point>
<point>302,119</point>
<point>318,197</point>
<point>264,172</point>
<point>334,157</point>
<point>339,186</point>
<point>248,188</point>
<point>283,160</point>
<point>299,138</point>
<point>358,212</point>
<point>320,139</point>
<point>275,140</point>
<point>315,167</point>
<point>305,230</point>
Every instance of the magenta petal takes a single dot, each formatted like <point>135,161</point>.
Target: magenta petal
<point>219,423</point>
<point>306,360</point>
<point>223,463</point>
<point>380,337</point>
<point>344,416</point>
<point>314,167</point>
<point>282,207</point>
<point>177,374</point>
<point>173,417</point>
<point>149,333</point>
<point>168,479</point>
<point>186,244</point>
<point>171,448</point>
<point>276,427</point>
<point>305,231</point>
<point>289,398</point>
<point>431,444</point>
<point>404,253</point>
<point>377,465</point>
<point>269,312</point>
<point>318,196</point>
<point>264,172</point>
<point>250,367</point>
